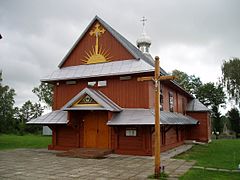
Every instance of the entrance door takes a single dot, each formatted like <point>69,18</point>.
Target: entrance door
<point>96,131</point>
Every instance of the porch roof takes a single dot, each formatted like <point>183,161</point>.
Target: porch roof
<point>146,117</point>
<point>125,117</point>
<point>196,106</point>
<point>54,117</point>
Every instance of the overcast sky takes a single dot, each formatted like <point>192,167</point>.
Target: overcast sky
<point>192,36</point>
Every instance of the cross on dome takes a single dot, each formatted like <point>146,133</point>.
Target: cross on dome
<point>143,20</point>
<point>144,41</point>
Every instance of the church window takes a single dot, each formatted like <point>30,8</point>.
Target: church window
<point>91,83</point>
<point>184,105</point>
<point>71,82</point>
<point>161,98</point>
<point>171,101</point>
<point>131,132</point>
<point>123,78</point>
<point>102,83</point>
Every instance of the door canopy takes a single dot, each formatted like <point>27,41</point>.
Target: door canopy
<point>89,99</point>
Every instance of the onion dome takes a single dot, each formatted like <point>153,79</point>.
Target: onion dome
<point>144,41</point>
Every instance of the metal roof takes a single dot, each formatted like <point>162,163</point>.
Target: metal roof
<point>125,117</point>
<point>146,117</point>
<point>196,105</point>
<point>100,69</point>
<point>98,96</point>
<point>54,117</point>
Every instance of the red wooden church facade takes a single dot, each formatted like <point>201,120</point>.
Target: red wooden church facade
<point>98,102</point>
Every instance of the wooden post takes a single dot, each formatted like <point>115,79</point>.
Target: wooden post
<point>157,117</point>
<point>156,79</point>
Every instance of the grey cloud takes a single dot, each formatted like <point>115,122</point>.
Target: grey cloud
<point>37,34</point>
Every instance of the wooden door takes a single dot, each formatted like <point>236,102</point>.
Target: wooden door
<point>96,131</point>
<point>90,130</point>
<point>103,131</point>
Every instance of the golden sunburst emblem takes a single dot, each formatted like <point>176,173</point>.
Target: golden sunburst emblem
<point>97,55</point>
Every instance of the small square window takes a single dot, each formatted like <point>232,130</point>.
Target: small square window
<point>131,132</point>
<point>124,78</point>
<point>71,82</point>
<point>92,83</point>
<point>102,83</point>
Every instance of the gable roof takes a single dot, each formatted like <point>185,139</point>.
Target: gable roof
<point>123,41</point>
<point>197,106</point>
<point>146,117</point>
<point>104,102</point>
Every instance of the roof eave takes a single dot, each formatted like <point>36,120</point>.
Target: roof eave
<point>85,77</point>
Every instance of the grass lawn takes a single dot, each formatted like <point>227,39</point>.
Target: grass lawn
<point>223,154</point>
<point>217,154</point>
<point>26,141</point>
<point>197,174</point>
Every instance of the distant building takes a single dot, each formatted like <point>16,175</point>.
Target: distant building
<point>98,102</point>
<point>46,131</point>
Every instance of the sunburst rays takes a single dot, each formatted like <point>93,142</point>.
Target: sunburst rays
<point>92,57</point>
<point>97,54</point>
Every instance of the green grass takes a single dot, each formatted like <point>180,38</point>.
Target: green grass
<point>223,154</point>
<point>209,175</point>
<point>26,141</point>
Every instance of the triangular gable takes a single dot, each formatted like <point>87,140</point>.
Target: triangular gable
<point>99,41</point>
<point>89,99</point>
<point>85,100</point>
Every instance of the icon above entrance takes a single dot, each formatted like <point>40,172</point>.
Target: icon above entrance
<point>89,99</point>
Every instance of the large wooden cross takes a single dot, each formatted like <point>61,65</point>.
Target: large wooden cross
<point>156,79</point>
<point>97,32</point>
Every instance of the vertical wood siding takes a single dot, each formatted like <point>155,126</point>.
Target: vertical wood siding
<point>66,136</point>
<point>87,43</point>
<point>127,93</point>
<point>136,145</point>
<point>202,131</point>
<point>178,98</point>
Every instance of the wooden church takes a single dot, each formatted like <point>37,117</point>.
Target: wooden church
<point>98,102</point>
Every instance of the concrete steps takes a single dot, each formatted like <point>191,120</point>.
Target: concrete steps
<point>88,153</point>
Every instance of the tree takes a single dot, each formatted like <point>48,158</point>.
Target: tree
<point>188,82</point>
<point>217,121</point>
<point>7,123</point>
<point>234,118</point>
<point>27,112</point>
<point>211,95</point>
<point>231,78</point>
<point>1,77</point>
<point>44,93</point>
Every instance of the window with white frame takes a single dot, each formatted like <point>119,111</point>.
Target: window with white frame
<point>171,101</point>
<point>92,83</point>
<point>102,83</point>
<point>131,132</point>
<point>161,98</point>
